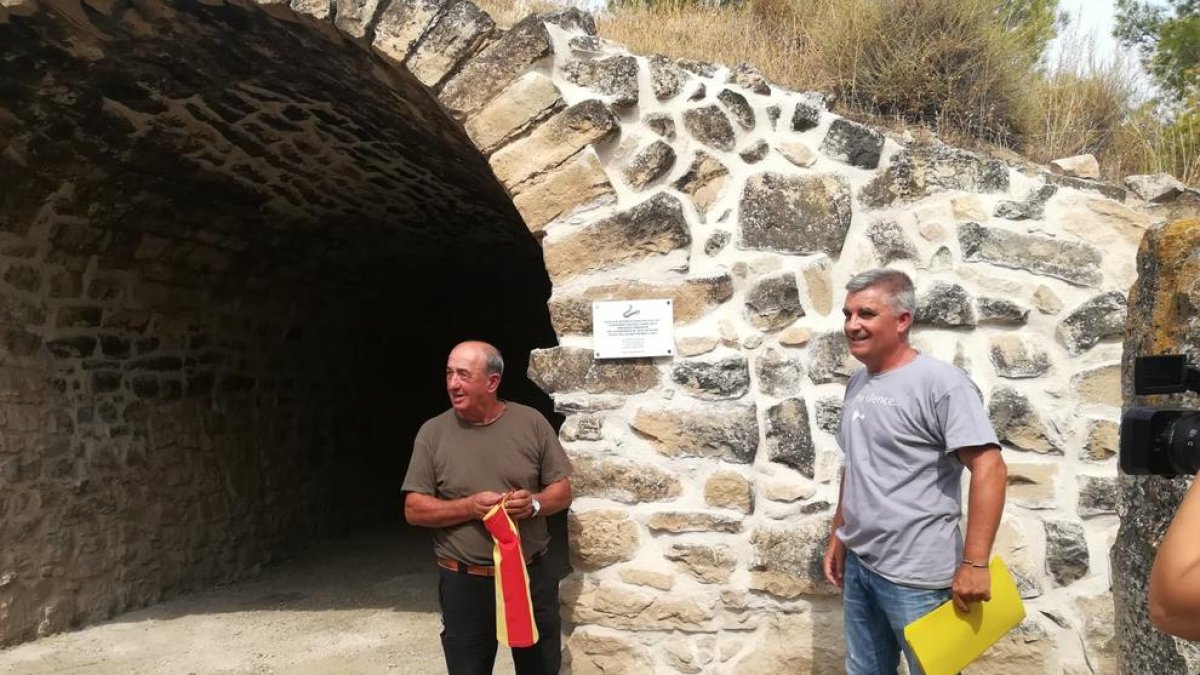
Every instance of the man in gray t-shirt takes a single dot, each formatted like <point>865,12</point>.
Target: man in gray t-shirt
<point>910,424</point>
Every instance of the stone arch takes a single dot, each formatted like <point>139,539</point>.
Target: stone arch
<point>224,266</point>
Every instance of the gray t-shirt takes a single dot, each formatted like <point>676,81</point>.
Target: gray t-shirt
<point>902,498</point>
<point>453,459</point>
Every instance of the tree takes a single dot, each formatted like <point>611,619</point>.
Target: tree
<point>1167,38</point>
<point>1033,23</point>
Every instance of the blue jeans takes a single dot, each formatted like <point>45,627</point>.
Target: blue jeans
<point>876,612</point>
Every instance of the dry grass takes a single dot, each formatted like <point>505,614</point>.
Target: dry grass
<point>937,64</point>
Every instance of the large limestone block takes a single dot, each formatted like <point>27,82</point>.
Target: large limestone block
<point>1078,166</point>
<point>1155,188</point>
<point>788,439</point>
<point>1103,439</point>
<point>1101,317</point>
<point>677,522</point>
<point>616,77</point>
<point>1099,385</point>
<point>779,372</point>
<point>691,299</point>
<point>710,126</point>
<point>591,653</point>
<point>710,564</point>
<point>1067,558</point>
<point>635,576</point>
<point>917,172</point>
<point>1020,541</point>
<point>713,379</point>
<point>853,143</point>
<point>773,302</point>
<point>795,214</point>
<point>1099,637</point>
<point>527,100</point>
<point>622,481</point>
<point>945,305</point>
<point>502,61</point>
<point>729,490</point>
<point>455,34</point>
<point>1075,261</point>
<point>789,559</point>
<point>355,16</point>
<point>401,25</point>
<point>650,164</point>
<point>655,227</point>
<point>1033,486</point>
<point>1028,650</point>
<point>1111,227</point>
<point>738,107</point>
<point>818,278</point>
<point>1016,357</point>
<point>703,181</point>
<point>890,242</point>
<point>830,359</point>
<point>1018,423</point>
<point>1097,495</point>
<point>579,182</point>
<point>611,606</point>
<point>601,538</point>
<point>811,642</point>
<point>554,141</point>
<point>666,78</point>
<point>1001,311</point>
<point>559,369</point>
<point>728,433</point>
<point>688,655</point>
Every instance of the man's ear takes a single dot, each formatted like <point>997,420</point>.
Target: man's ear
<point>493,383</point>
<point>905,321</point>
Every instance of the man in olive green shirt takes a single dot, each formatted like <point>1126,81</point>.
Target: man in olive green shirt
<point>465,461</point>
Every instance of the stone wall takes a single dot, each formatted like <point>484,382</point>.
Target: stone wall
<point>705,482</point>
<point>1163,319</point>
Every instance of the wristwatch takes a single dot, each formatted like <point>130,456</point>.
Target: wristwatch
<point>537,507</point>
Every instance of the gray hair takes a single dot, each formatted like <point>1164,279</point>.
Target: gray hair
<point>897,284</point>
<point>493,361</point>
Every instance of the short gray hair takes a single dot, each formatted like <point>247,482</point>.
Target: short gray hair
<point>897,284</point>
<point>493,361</point>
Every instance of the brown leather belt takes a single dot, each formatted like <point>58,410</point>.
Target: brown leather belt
<point>461,567</point>
<point>478,570</point>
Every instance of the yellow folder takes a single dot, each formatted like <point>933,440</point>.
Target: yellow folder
<point>946,640</point>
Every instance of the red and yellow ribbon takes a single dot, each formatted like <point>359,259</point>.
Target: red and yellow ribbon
<point>515,626</point>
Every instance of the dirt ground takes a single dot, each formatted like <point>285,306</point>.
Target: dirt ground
<point>366,604</point>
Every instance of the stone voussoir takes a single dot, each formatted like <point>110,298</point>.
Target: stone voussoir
<point>552,142</point>
<point>657,226</point>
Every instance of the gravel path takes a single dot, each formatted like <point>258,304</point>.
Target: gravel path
<point>365,604</point>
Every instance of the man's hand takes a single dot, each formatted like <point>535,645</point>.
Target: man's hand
<point>835,562</point>
<point>519,505</point>
<point>971,584</point>
<point>482,502</point>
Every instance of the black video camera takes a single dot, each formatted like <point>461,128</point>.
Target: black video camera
<point>1158,440</point>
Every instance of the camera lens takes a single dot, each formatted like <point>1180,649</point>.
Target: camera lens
<point>1183,444</point>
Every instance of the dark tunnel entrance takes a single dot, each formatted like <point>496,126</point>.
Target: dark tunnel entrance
<point>232,268</point>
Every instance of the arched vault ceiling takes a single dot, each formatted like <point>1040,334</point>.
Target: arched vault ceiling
<point>119,119</point>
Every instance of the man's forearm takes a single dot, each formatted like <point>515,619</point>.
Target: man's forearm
<point>1175,576</point>
<point>555,497</point>
<point>989,479</point>
<point>429,511</point>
